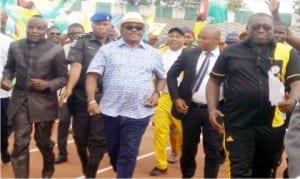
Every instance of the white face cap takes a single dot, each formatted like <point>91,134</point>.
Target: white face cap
<point>133,17</point>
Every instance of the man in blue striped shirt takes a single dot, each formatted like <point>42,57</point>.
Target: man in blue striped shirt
<point>127,67</point>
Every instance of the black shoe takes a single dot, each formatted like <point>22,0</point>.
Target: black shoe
<point>5,157</point>
<point>286,173</point>
<point>156,171</point>
<point>60,159</point>
<point>47,173</point>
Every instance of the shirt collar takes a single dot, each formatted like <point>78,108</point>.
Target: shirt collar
<point>215,52</point>
<point>122,43</point>
<point>247,43</point>
<point>174,51</point>
<point>36,43</point>
<point>93,37</point>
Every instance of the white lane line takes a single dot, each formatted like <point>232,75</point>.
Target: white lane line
<point>106,168</point>
<point>110,167</point>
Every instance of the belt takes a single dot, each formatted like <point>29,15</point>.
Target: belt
<point>199,105</point>
<point>203,105</point>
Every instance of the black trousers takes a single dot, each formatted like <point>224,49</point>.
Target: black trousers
<point>63,130</point>
<point>268,151</point>
<point>5,127</point>
<point>88,132</point>
<point>195,121</point>
<point>22,128</point>
<point>254,152</point>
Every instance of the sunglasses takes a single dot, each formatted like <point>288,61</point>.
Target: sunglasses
<point>266,27</point>
<point>54,33</point>
<point>131,27</point>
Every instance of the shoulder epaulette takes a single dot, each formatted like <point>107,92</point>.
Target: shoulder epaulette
<point>80,36</point>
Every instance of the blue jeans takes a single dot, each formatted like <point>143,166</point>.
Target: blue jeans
<point>123,137</point>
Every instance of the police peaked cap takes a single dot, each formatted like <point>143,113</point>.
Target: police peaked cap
<point>101,16</point>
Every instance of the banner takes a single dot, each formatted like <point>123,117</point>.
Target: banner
<point>217,11</point>
<point>56,12</point>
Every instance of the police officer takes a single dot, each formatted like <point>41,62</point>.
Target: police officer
<point>87,129</point>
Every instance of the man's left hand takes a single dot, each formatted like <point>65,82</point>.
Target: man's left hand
<point>38,84</point>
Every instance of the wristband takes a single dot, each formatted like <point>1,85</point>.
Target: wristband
<point>92,102</point>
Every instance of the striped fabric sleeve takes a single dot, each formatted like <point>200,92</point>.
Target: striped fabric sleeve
<point>293,67</point>
<point>217,75</point>
<point>219,70</point>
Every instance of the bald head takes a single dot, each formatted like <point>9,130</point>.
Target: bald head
<point>209,38</point>
<point>213,30</point>
<point>36,28</point>
<point>253,18</point>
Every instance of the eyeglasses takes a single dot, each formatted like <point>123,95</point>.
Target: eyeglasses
<point>75,33</point>
<point>266,27</point>
<point>54,33</point>
<point>131,27</point>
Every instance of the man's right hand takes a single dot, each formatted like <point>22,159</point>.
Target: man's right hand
<point>181,106</point>
<point>93,108</point>
<point>64,96</point>
<point>213,116</point>
<point>6,85</point>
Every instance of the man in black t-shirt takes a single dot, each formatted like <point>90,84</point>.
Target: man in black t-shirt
<point>248,114</point>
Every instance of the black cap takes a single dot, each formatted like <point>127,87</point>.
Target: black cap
<point>178,29</point>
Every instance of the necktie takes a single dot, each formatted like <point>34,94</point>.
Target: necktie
<point>201,72</point>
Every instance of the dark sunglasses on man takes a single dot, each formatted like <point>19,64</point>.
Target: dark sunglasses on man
<point>266,27</point>
<point>131,27</point>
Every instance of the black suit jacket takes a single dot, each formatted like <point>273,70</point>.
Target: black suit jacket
<point>185,63</point>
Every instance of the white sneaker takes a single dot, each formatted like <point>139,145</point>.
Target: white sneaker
<point>173,158</point>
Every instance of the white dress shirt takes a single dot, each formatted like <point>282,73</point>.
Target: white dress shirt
<point>5,41</point>
<point>199,95</point>
<point>169,57</point>
<point>66,48</point>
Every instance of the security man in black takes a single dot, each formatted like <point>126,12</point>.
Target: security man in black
<point>87,128</point>
<point>249,117</point>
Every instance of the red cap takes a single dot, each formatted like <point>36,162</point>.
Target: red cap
<point>190,32</point>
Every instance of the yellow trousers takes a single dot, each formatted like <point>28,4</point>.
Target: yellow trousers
<point>162,121</point>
